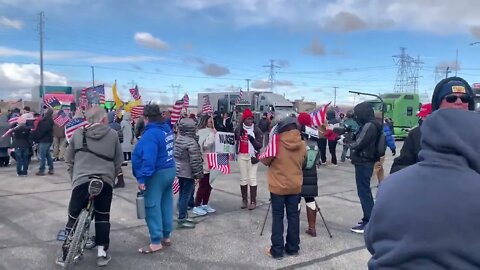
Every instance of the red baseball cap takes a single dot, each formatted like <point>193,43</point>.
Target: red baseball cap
<point>425,110</point>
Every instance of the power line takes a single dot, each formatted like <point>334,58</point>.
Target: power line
<point>271,77</point>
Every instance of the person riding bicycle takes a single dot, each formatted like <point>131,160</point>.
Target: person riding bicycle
<point>100,154</point>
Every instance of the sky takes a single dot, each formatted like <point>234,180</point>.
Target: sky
<point>215,45</point>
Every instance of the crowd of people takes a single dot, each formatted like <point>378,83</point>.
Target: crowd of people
<point>161,152</point>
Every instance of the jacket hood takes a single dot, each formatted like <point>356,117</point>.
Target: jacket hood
<point>186,127</point>
<point>330,115</point>
<point>158,125</point>
<point>451,135</point>
<point>364,113</point>
<point>291,140</point>
<point>48,114</point>
<point>127,117</point>
<point>97,131</point>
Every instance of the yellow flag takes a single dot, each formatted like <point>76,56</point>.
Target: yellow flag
<point>116,98</point>
<point>128,107</point>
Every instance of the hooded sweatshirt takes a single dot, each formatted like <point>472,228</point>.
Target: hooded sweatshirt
<point>153,152</point>
<point>188,157</point>
<point>285,175</point>
<point>427,215</point>
<point>364,148</point>
<point>102,140</point>
<point>44,131</point>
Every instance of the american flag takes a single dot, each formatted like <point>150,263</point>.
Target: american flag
<point>176,110</point>
<point>13,118</point>
<point>92,95</point>
<point>137,111</point>
<point>176,185</point>
<point>271,149</point>
<point>319,115</point>
<point>186,101</point>
<point>207,107</point>
<point>73,125</point>
<point>239,98</point>
<point>83,98</point>
<point>219,161</point>
<point>61,119</point>
<point>135,94</point>
<point>52,102</point>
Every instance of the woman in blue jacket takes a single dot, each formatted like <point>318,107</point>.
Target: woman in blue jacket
<point>154,167</point>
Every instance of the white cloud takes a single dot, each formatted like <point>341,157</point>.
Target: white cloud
<point>147,40</point>
<point>9,23</point>
<point>18,80</point>
<point>440,16</point>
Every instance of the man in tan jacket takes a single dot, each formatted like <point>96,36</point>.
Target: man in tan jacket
<point>285,184</point>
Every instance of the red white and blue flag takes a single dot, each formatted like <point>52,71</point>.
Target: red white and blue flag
<point>319,115</point>
<point>137,111</point>
<point>239,98</point>
<point>178,107</point>
<point>73,125</point>
<point>92,95</point>
<point>52,102</point>
<point>135,94</point>
<point>207,107</point>
<point>13,118</point>
<point>219,161</point>
<point>61,119</point>
<point>271,150</point>
<point>176,185</point>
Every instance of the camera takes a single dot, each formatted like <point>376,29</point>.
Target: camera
<point>342,130</point>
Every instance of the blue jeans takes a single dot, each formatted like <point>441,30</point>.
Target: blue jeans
<point>22,155</point>
<point>363,174</point>
<point>280,203</point>
<point>45,156</point>
<point>159,204</point>
<point>187,186</point>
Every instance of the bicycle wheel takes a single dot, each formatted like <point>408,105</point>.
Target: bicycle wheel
<point>78,234</point>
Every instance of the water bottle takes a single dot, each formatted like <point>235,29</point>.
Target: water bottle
<point>140,205</point>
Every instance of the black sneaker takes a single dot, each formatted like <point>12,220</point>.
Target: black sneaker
<point>103,260</point>
<point>359,228</point>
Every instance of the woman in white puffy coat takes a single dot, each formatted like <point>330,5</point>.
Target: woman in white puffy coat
<point>128,138</point>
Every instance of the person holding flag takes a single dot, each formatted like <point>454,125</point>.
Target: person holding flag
<point>249,142</point>
<point>285,188</point>
<point>44,136</point>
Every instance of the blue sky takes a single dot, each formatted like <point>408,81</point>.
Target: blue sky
<point>214,45</point>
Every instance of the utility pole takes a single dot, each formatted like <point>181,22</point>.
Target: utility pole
<point>335,98</point>
<point>271,77</point>
<point>456,64</point>
<point>446,72</point>
<point>93,76</point>
<point>41,25</point>
<point>175,91</point>
<point>248,84</point>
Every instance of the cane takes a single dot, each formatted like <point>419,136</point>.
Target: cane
<point>266,216</point>
<point>324,223</point>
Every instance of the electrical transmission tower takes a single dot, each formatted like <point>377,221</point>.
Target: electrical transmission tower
<point>175,91</point>
<point>271,77</point>
<point>408,72</point>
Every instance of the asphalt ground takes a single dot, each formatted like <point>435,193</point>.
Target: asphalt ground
<point>33,209</point>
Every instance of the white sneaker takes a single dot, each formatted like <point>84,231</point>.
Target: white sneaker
<point>199,211</point>
<point>208,209</point>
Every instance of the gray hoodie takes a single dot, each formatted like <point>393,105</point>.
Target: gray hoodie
<point>101,139</point>
<point>427,215</point>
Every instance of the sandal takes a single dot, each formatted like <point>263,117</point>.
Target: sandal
<point>166,243</point>
<point>148,250</point>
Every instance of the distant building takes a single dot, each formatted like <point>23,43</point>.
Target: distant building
<point>304,106</point>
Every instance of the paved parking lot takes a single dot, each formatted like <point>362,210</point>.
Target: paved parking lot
<point>33,209</point>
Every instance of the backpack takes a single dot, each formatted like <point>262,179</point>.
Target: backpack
<point>380,144</point>
<point>312,154</point>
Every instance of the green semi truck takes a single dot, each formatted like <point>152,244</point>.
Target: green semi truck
<point>402,108</point>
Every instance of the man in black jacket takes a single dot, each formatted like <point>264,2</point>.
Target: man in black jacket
<point>364,155</point>
<point>44,136</point>
<point>450,93</point>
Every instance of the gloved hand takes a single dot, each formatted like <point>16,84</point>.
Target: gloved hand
<point>394,152</point>
<point>251,138</point>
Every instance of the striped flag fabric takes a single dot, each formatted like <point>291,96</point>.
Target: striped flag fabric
<point>52,102</point>
<point>61,119</point>
<point>319,115</point>
<point>137,111</point>
<point>8,132</point>
<point>207,107</point>
<point>176,185</point>
<point>239,98</point>
<point>271,149</point>
<point>73,125</point>
<point>176,110</point>
<point>135,94</point>
<point>83,102</point>
<point>92,95</point>
<point>219,161</point>
<point>186,101</point>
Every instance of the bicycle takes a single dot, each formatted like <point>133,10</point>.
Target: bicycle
<point>75,241</point>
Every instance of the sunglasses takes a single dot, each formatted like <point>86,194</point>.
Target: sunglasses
<point>453,98</point>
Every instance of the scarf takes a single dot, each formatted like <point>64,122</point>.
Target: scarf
<point>250,131</point>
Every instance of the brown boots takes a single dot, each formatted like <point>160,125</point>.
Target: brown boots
<point>311,217</point>
<point>253,197</point>
<point>244,190</point>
